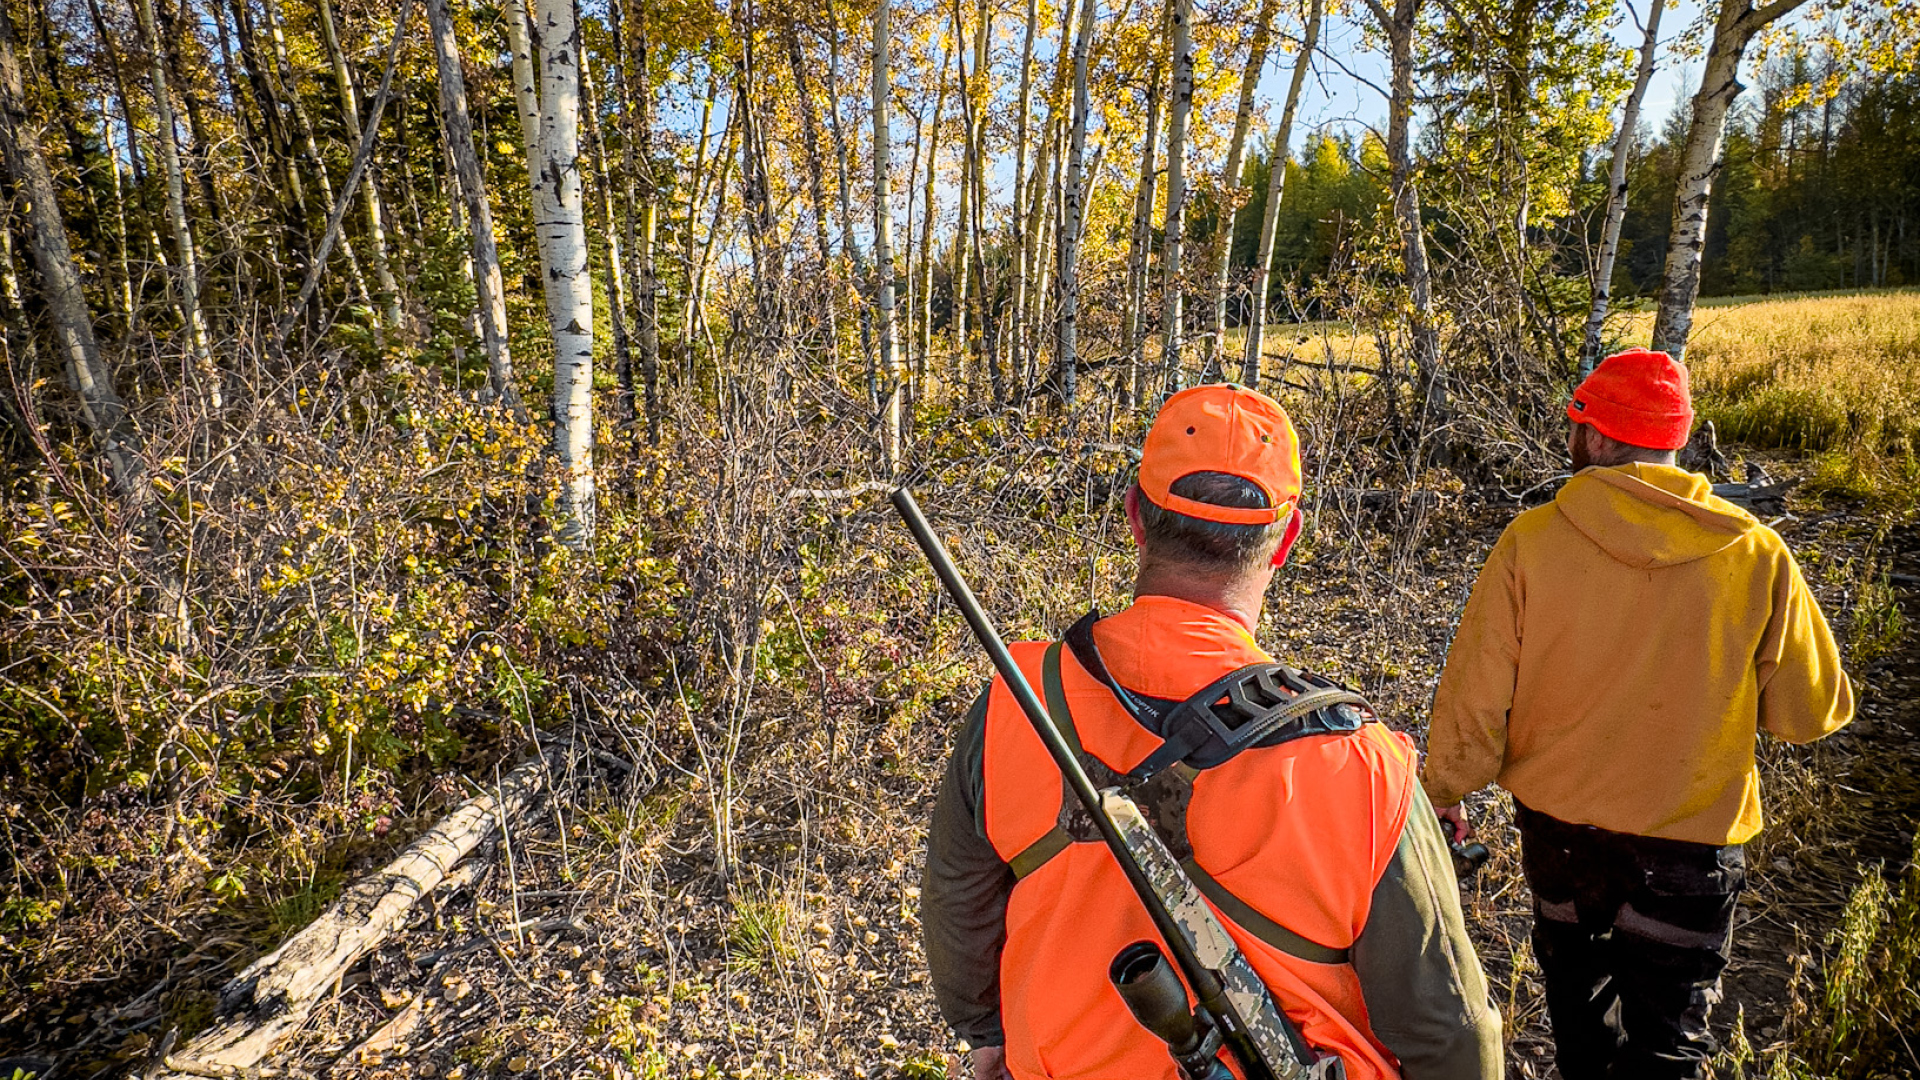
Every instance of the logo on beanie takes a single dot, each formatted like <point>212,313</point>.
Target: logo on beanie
<point>1580,405</point>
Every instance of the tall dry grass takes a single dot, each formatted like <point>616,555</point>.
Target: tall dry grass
<point>1835,376</point>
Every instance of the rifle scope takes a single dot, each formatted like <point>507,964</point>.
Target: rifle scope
<point>1155,997</point>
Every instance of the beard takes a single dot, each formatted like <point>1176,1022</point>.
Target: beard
<point>1577,448</point>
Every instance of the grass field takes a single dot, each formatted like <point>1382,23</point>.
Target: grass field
<point>1835,376</point>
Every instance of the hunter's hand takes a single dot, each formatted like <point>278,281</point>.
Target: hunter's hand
<point>990,1063</point>
<point>1454,818</point>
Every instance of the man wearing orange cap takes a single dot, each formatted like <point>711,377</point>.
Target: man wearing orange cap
<point>1620,653</point>
<point>1311,839</point>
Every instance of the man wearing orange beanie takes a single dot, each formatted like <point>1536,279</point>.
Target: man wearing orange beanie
<point>1622,650</point>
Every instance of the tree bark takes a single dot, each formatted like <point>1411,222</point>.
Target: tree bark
<point>526,80</point>
<point>101,406</point>
<point>472,183</point>
<point>1073,215</point>
<point>924,328</point>
<point>1276,189</point>
<point>1134,318</point>
<point>640,166</point>
<point>272,998</point>
<point>304,123</point>
<point>892,420</point>
<point>362,156</point>
<point>1617,195</point>
<point>1736,24</point>
<point>1399,26</point>
<point>1232,194</point>
<point>1172,248</point>
<point>560,227</point>
<point>198,342</point>
<point>1026,190</point>
<point>370,187</point>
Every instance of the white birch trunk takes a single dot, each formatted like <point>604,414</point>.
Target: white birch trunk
<point>891,415</point>
<point>1171,267</point>
<point>1073,215</point>
<point>198,342</point>
<point>1134,319</point>
<point>1617,195</point>
<point>1276,189</point>
<point>560,227</point>
<point>1737,23</point>
<point>526,79</point>
<point>1232,195</point>
<point>370,187</point>
<point>488,286</point>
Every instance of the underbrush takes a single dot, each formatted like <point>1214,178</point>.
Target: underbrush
<point>374,607</point>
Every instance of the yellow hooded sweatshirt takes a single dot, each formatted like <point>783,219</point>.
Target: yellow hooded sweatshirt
<point>1622,649</point>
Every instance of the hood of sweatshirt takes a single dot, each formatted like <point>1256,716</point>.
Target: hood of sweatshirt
<point>1648,516</point>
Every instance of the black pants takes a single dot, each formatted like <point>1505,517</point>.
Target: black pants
<point>1632,934</point>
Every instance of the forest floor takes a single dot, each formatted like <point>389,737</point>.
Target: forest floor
<point>597,939</point>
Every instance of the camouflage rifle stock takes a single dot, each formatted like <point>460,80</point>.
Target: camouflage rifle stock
<point>1231,997</point>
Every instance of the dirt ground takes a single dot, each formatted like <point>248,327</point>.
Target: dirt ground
<point>597,939</point>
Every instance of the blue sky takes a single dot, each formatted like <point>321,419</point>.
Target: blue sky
<point>1335,98</point>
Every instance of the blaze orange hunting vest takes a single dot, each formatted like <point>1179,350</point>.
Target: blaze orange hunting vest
<point>1300,833</point>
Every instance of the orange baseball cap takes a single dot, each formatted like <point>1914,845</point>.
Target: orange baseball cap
<point>1222,428</point>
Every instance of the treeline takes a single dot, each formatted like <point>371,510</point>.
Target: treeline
<point>1813,193</point>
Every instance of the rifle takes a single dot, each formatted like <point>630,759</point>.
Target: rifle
<point>1234,1009</point>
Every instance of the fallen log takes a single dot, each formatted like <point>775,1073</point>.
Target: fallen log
<point>272,997</point>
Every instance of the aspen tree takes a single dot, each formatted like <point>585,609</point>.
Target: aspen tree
<point>924,327</point>
<point>1178,109</point>
<point>185,249</point>
<point>1134,318</point>
<point>560,227</point>
<point>1024,190</point>
<point>1277,157</point>
<point>370,187</point>
<point>1399,26</point>
<point>472,184</point>
<point>1073,216</point>
<point>526,79</point>
<point>101,406</point>
<point>1232,195</point>
<point>1617,193</point>
<point>892,420</point>
<point>1735,24</point>
<point>303,124</point>
<point>610,223</point>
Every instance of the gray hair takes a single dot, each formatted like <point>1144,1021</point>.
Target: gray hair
<point>1209,545</point>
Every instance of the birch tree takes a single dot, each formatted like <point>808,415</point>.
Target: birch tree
<point>1073,215</point>
<point>1232,195</point>
<point>891,417</point>
<point>560,228</point>
<point>370,187</point>
<point>1278,156</point>
<point>1617,192</point>
<point>1399,26</point>
<point>101,406</point>
<point>472,184</point>
<point>1735,24</point>
<point>1134,318</point>
<point>526,78</point>
<point>1177,111</point>
<point>185,249</point>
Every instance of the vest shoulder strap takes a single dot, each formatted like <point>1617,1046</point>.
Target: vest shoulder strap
<point>1163,798</point>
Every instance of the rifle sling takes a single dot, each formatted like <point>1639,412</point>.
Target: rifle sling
<point>1059,838</point>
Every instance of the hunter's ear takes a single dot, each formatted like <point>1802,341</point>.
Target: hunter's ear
<point>1294,525</point>
<point>1134,523</point>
